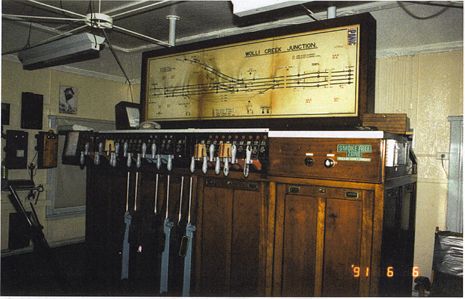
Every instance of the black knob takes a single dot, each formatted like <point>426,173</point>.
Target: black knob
<point>329,163</point>
<point>308,161</point>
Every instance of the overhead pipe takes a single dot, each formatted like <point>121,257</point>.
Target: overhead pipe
<point>128,5</point>
<point>56,8</point>
<point>143,36</point>
<point>26,17</point>
<point>172,29</point>
<point>142,9</point>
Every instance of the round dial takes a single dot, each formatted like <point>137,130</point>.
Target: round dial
<point>308,161</point>
<point>329,163</point>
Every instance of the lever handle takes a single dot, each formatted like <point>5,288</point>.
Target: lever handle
<point>117,149</point>
<point>82,158</point>
<point>226,167</point>
<point>217,165</point>
<point>144,150</point>
<point>233,154</point>
<point>212,152</point>
<point>86,148</point>
<point>139,160</point>
<point>113,159</point>
<point>154,150</point>
<point>204,165</point>
<point>100,148</point>
<point>246,170</point>
<point>169,164</point>
<point>125,149</point>
<point>158,161</point>
<point>192,166</point>
<point>129,160</point>
<point>97,159</point>
<point>248,155</point>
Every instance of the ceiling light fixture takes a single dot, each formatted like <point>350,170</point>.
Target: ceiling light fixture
<point>69,49</point>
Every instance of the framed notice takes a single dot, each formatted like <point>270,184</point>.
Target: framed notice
<point>68,100</point>
<point>310,71</point>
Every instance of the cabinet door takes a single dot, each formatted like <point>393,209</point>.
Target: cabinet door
<point>228,252</point>
<point>297,240</point>
<point>342,248</point>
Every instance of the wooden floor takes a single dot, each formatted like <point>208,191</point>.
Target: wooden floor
<point>30,274</point>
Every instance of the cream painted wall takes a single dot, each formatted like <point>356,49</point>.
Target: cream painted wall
<point>96,100</point>
<point>429,88</point>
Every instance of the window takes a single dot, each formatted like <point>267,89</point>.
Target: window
<point>67,183</point>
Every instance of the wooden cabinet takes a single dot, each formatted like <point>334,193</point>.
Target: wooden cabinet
<point>230,245</point>
<point>307,228</point>
<point>297,237</point>
<point>322,233</point>
<point>342,244</point>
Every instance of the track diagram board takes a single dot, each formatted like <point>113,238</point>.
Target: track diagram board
<point>312,74</point>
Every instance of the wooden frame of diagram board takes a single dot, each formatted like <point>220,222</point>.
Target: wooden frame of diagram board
<point>317,75</point>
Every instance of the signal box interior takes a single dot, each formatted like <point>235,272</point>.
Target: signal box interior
<point>270,162</point>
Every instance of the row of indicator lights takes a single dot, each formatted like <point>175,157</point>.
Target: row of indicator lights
<point>390,271</point>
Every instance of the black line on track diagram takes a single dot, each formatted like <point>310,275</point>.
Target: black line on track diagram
<point>225,84</point>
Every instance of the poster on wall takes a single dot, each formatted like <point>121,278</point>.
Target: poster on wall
<point>68,100</point>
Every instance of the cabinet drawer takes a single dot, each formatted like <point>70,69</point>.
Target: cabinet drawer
<point>232,184</point>
<point>324,192</point>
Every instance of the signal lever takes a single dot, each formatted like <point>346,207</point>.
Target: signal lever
<point>248,160</point>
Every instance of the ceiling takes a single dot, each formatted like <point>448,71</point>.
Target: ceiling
<point>148,18</point>
<point>201,20</point>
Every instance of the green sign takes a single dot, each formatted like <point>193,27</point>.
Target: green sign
<point>354,152</point>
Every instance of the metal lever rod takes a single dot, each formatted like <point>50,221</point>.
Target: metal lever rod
<point>188,257</point>
<point>167,226</point>
<point>127,191</point>
<point>167,196</point>
<point>126,248</point>
<point>136,191</point>
<point>180,200</point>
<point>156,195</point>
<point>190,201</point>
